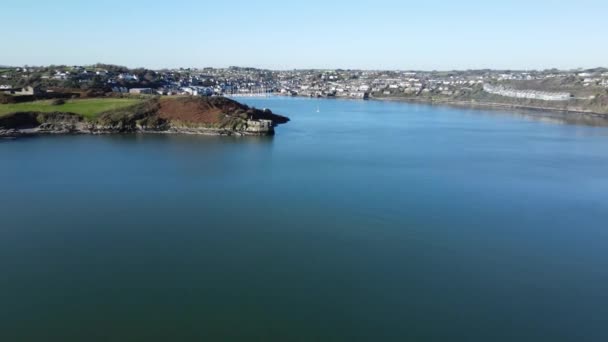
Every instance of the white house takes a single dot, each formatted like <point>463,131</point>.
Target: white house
<point>127,77</point>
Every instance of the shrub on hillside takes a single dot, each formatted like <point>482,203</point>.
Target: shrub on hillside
<point>6,99</point>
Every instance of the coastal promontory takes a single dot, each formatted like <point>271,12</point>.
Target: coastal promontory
<point>107,115</point>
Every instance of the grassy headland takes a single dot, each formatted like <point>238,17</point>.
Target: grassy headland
<point>87,108</point>
<point>192,115</point>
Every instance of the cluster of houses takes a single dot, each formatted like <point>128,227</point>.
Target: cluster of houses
<point>8,90</point>
<point>192,91</point>
<point>360,84</point>
<point>356,83</point>
<point>313,83</point>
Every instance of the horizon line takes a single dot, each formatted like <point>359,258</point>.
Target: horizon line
<point>310,68</point>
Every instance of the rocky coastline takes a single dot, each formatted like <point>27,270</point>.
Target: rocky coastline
<point>78,129</point>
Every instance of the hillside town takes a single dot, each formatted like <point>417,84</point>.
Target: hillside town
<point>547,85</point>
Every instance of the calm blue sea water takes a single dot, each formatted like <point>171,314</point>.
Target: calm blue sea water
<point>368,221</point>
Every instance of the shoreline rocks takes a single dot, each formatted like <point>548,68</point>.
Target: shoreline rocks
<point>82,129</point>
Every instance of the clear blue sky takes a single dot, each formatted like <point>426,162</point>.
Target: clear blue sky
<point>388,34</point>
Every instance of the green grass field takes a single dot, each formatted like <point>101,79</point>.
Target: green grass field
<point>89,108</point>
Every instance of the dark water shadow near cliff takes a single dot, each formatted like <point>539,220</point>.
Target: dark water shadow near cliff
<point>540,115</point>
<point>188,138</point>
<point>544,116</point>
<point>131,137</point>
<point>559,118</point>
<point>16,138</point>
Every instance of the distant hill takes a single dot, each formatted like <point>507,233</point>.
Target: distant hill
<point>596,70</point>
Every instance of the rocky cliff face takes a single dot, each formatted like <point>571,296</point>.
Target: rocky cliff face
<point>192,115</point>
